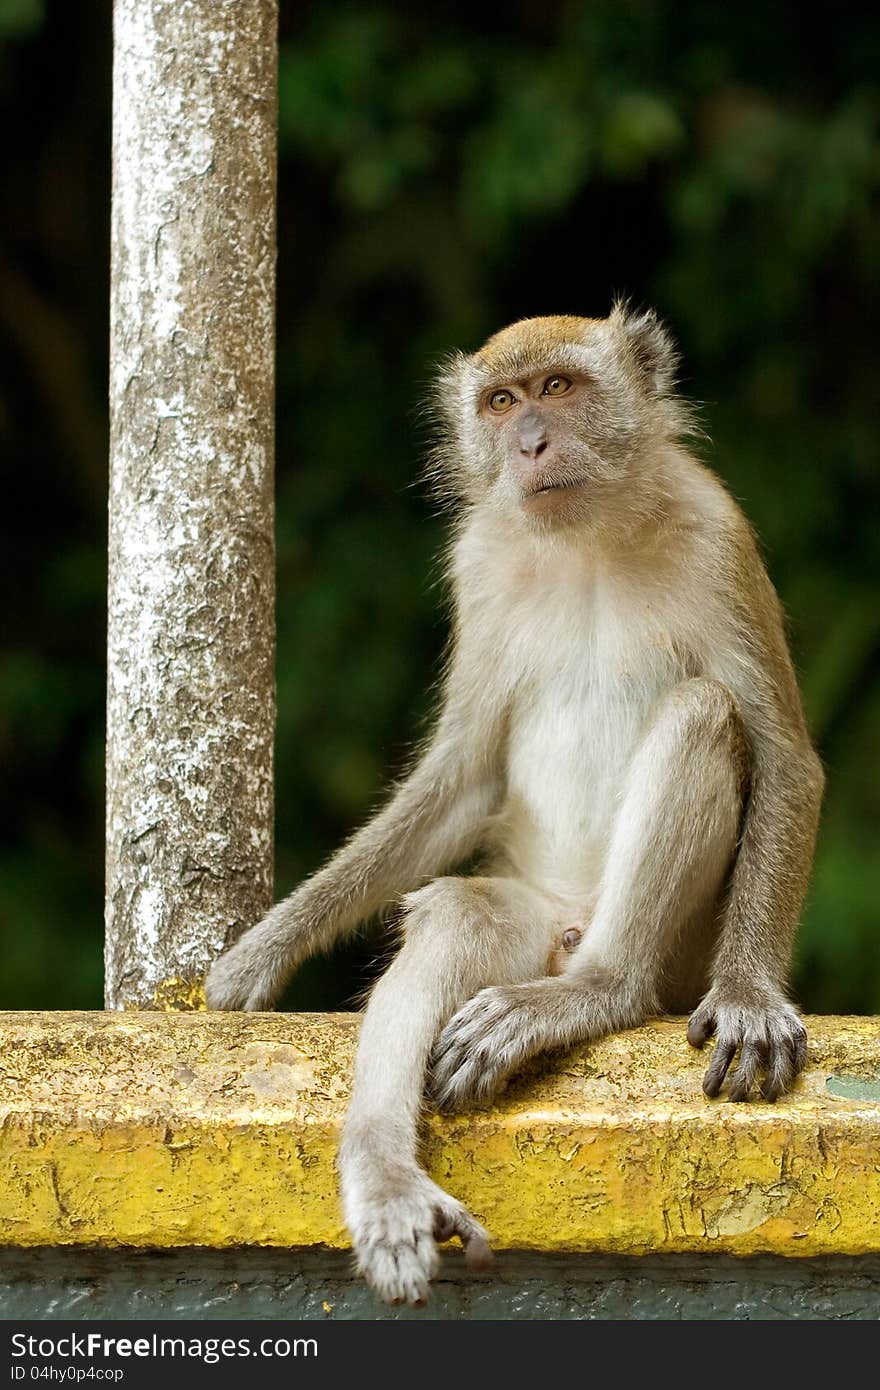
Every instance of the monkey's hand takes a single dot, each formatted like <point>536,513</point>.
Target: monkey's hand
<point>501,1027</point>
<point>253,973</point>
<point>766,1030</point>
<point>395,1222</point>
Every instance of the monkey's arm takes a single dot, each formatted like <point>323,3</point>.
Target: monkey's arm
<point>432,822</point>
<point>768,884</point>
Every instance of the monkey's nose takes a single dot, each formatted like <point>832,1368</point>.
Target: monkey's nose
<point>532,448</point>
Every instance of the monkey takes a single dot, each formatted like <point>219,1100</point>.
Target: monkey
<point>620,744</point>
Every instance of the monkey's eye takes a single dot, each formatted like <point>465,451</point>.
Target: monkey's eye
<point>556,386</point>
<point>500,401</point>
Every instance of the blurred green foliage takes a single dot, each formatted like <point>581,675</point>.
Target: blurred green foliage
<point>444,170</point>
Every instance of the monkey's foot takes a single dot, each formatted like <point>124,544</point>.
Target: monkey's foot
<point>501,1027</point>
<point>493,1034</point>
<point>768,1034</point>
<point>395,1235</point>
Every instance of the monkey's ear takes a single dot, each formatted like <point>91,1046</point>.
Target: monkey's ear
<point>650,344</point>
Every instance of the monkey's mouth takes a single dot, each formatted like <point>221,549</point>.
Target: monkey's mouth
<point>554,485</point>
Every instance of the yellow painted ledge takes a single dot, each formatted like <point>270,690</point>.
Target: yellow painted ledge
<point>163,1129</point>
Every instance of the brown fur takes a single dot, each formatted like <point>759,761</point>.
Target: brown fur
<point>621,745</point>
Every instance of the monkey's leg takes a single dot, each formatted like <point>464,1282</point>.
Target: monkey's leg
<point>671,846</point>
<point>460,934</point>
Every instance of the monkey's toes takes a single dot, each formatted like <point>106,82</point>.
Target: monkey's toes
<point>455,1220</point>
<point>395,1237</point>
<point>457,1084</point>
<point>400,1273</point>
<point>477,1051</point>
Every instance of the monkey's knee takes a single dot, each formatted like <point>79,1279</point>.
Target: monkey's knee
<point>442,903</point>
<point>705,722</point>
<point>446,918</point>
<point>494,929</point>
<point>703,705</point>
<point>441,893</point>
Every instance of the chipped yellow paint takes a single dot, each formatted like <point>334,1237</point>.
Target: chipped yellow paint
<point>170,1129</point>
<point>176,994</point>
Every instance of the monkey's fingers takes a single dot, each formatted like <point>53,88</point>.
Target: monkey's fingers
<point>780,1073</point>
<point>721,1059</point>
<point>251,975</point>
<point>772,1042</point>
<point>787,1058</point>
<point>754,1057</point>
<point>700,1028</point>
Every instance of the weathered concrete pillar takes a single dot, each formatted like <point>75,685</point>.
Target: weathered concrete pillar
<point>190,701</point>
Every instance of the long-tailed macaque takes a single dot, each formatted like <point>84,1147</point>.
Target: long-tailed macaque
<point>621,743</point>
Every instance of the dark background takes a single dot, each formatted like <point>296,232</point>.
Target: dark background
<point>444,170</point>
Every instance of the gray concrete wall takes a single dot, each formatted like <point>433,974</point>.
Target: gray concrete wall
<point>300,1284</point>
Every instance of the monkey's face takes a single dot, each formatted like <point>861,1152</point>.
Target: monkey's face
<point>535,430</point>
<point>550,418</point>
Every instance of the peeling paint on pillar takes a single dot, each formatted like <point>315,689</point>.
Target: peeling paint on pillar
<point>190,700</point>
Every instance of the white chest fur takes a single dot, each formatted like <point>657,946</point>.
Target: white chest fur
<point>592,663</point>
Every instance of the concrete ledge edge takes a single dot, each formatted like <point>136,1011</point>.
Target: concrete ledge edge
<point>162,1130</point>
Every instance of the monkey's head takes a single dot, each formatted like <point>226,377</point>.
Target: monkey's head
<point>555,419</point>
